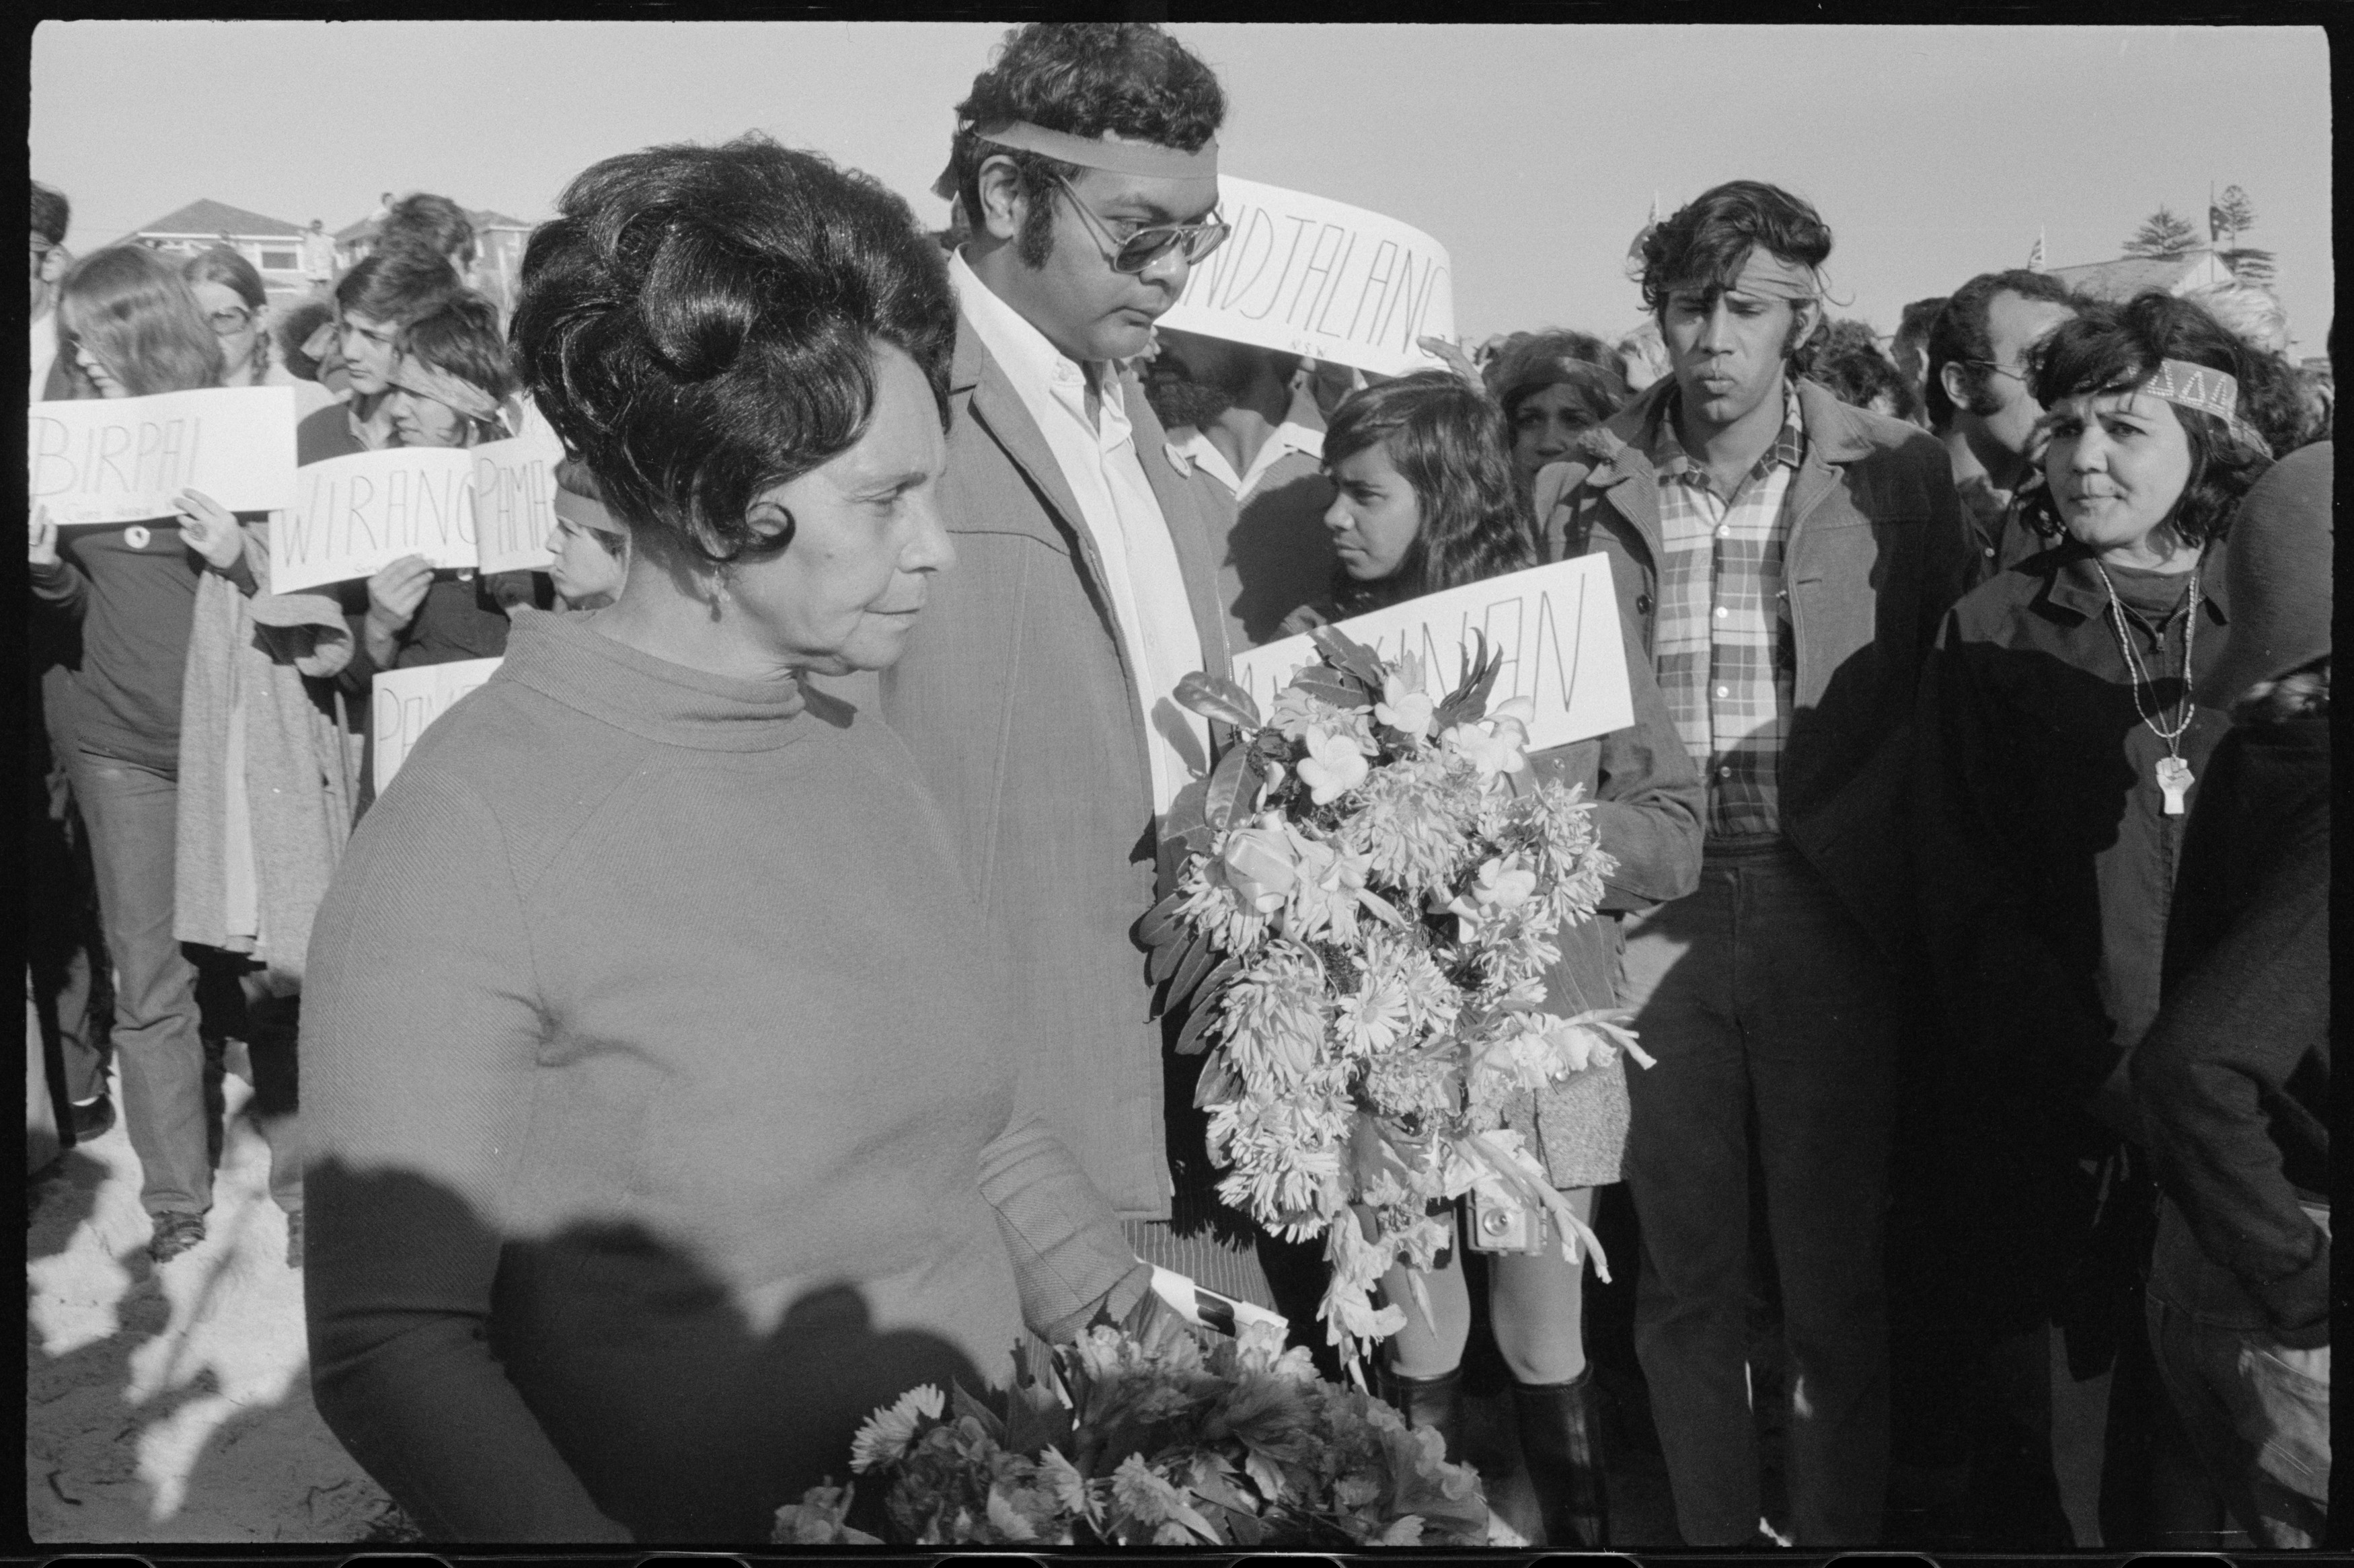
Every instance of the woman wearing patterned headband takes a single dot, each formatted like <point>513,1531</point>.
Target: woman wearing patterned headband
<point>2062,736</point>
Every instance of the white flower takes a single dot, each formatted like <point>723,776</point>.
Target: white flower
<point>888,1431</point>
<point>1333,766</point>
<point>1404,708</point>
<point>1493,746</point>
<point>1501,887</point>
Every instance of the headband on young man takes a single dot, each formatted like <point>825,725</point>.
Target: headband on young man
<point>1147,159</point>
<point>412,374</point>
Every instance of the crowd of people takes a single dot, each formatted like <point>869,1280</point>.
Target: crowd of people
<point>732,1016</point>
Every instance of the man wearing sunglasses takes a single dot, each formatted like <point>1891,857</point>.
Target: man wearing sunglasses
<point>1980,408</point>
<point>1036,694</point>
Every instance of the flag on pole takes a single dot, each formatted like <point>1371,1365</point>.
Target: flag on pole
<point>2035,256</point>
<point>2216,223</point>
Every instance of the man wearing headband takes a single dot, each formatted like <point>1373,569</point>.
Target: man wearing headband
<point>1035,695</point>
<point>1786,560</point>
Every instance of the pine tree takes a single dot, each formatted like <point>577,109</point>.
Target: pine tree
<point>2232,212</point>
<point>2162,236</point>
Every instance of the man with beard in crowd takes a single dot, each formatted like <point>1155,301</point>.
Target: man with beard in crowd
<point>1980,408</point>
<point>1036,695</point>
<point>1241,420</point>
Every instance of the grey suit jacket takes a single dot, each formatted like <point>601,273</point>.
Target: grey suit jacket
<point>1017,700</point>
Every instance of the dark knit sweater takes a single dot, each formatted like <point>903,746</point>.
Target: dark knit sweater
<point>663,1109</point>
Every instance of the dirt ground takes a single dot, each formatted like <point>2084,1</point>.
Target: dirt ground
<point>173,1404</point>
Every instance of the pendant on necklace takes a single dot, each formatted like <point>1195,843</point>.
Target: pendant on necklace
<point>2174,777</point>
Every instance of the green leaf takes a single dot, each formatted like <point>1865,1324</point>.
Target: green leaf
<point>1470,700</point>
<point>1233,784</point>
<point>1215,697</point>
<point>963,1403</point>
<point>1218,1080</point>
<point>1168,957</point>
<point>1338,687</point>
<point>1195,1035</point>
<point>1344,653</point>
<point>1161,923</point>
<point>1200,960</point>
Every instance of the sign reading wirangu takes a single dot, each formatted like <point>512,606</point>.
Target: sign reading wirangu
<point>490,507</point>
<point>1320,277</point>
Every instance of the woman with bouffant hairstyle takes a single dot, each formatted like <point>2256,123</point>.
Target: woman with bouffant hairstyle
<point>669,1110</point>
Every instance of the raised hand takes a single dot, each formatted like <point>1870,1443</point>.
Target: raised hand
<point>209,529</point>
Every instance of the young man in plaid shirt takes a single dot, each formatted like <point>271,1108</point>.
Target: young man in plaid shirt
<point>1786,559</point>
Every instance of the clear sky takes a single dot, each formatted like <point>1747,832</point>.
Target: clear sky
<point>1532,152</point>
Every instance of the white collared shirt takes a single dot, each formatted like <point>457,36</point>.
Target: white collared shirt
<point>1122,519</point>
<point>1289,437</point>
<point>45,349</point>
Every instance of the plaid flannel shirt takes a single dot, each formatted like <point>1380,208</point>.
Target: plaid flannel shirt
<point>1722,640</point>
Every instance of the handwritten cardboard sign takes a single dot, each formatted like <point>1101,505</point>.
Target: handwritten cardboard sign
<point>118,459</point>
<point>490,507</point>
<point>1556,627</point>
<point>1320,277</point>
<point>514,496</point>
<point>407,701</point>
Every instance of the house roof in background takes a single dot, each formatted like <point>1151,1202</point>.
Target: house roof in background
<point>2131,275</point>
<point>207,218</point>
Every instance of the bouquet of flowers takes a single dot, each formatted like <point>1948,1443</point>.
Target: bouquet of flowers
<point>1361,923</point>
<point>1171,1445</point>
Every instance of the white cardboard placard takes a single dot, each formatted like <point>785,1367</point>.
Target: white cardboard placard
<point>1307,275</point>
<point>120,460</point>
<point>405,702</point>
<point>1556,627</point>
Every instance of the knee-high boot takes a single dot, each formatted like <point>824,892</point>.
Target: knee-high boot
<point>1433,1401</point>
<point>1560,1439</point>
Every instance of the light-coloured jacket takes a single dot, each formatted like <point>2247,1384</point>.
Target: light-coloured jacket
<point>1017,700</point>
<point>272,656</point>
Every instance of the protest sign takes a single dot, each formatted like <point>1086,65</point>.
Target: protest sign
<point>1557,628</point>
<point>355,516</point>
<point>514,496</point>
<point>490,507</point>
<point>1320,277</point>
<point>120,460</point>
<point>407,701</point>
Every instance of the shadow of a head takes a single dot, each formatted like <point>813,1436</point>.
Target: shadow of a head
<point>681,1419</point>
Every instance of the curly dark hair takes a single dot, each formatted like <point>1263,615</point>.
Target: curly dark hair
<point>1850,365</point>
<point>461,336</point>
<point>1711,236</point>
<point>435,222</point>
<point>1531,361</point>
<point>1449,442</point>
<point>1085,78</point>
<point>396,283</point>
<point>1960,336</point>
<point>2110,347</point>
<point>700,324</point>
<point>52,213</point>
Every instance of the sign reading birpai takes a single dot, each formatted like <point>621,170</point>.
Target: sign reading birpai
<point>1305,275</point>
<point>120,460</point>
<point>1555,627</point>
<point>490,507</point>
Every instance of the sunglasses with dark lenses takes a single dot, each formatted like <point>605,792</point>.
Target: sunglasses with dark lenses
<point>1145,246</point>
